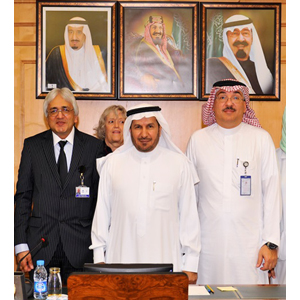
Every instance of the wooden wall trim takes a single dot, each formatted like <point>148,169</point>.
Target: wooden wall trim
<point>25,24</point>
<point>24,44</point>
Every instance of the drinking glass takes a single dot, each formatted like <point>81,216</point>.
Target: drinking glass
<point>54,282</point>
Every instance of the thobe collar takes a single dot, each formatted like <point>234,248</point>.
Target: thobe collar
<point>230,131</point>
<point>147,155</point>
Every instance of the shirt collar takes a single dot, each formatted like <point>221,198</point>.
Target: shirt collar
<point>144,155</point>
<point>229,131</point>
<point>69,138</point>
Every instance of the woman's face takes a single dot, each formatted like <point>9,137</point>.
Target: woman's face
<point>114,128</point>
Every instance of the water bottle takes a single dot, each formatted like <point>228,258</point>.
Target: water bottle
<point>40,281</point>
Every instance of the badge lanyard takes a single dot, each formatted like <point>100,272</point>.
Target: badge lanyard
<point>82,191</point>
<point>245,186</point>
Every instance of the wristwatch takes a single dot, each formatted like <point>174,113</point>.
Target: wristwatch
<point>271,246</point>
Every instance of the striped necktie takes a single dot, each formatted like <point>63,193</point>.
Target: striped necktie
<point>62,163</point>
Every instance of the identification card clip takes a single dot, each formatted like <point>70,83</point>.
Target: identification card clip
<point>246,165</point>
<point>82,191</point>
<point>245,184</point>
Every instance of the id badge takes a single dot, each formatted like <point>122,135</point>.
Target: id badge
<point>245,187</point>
<point>82,192</point>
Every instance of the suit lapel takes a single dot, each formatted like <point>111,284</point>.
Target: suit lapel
<point>48,148</point>
<point>78,148</point>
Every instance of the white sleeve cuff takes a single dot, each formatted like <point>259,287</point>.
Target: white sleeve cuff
<point>21,248</point>
<point>98,255</point>
<point>190,263</point>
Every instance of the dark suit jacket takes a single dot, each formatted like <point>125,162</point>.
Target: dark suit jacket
<point>44,208</point>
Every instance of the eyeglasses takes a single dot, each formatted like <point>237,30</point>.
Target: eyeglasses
<point>224,98</point>
<point>53,112</point>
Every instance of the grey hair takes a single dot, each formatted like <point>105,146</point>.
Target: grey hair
<point>64,93</point>
<point>100,129</point>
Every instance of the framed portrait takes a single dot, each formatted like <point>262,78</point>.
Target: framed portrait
<point>76,48</point>
<point>241,41</point>
<point>158,51</point>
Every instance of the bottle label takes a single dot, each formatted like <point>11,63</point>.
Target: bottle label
<point>40,286</point>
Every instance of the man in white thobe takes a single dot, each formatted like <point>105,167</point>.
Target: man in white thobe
<point>280,269</point>
<point>147,211</point>
<point>238,194</point>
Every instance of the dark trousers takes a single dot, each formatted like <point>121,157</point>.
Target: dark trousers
<point>61,261</point>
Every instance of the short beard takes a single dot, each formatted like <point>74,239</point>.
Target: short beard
<point>157,41</point>
<point>241,54</point>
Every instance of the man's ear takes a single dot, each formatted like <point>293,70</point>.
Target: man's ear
<point>75,120</point>
<point>159,130</point>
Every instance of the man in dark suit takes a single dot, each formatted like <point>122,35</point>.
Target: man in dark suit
<point>52,198</point>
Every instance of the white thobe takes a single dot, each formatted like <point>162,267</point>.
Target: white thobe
<point>146,210</point>
<point>86,73</point>
<point>234,227</point>
<point>280,269</point>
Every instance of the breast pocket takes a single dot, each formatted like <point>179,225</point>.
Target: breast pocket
<point>162,196</point>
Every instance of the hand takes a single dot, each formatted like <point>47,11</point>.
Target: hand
<point>192,277</point>
<point>26,265</point>
<point>271,273</point>
<point>270,260</point>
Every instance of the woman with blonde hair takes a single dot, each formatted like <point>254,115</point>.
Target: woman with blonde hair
<point>110,127</point>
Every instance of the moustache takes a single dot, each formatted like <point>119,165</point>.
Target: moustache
<point>237,43</point>
<point>229,108</point>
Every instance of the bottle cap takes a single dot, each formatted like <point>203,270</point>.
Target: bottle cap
<point>54,270</point>
<point>40,262</point>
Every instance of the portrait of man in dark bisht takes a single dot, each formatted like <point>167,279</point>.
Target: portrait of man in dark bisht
<point>158,51</point>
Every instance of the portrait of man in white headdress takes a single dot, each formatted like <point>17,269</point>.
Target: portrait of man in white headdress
<point>241,54</point>
<point>158,51</point>
<point>77,63</point>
